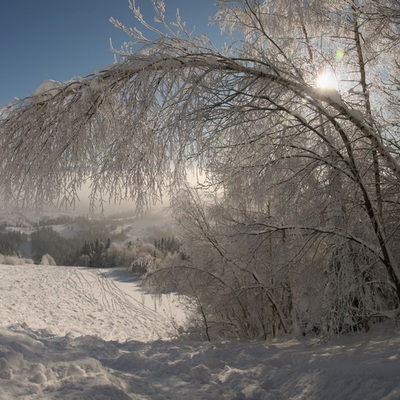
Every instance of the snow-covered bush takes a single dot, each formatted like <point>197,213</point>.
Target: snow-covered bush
<point>143,263</point>
<point>47,259</point>
<point>14,260</point>
<point>137,256</point>
<point>120,255</point>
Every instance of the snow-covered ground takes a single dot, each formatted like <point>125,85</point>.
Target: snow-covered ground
<point>88,334</point>
<point>73,301</point>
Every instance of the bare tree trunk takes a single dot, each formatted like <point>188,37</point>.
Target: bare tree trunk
<point>368,109</point>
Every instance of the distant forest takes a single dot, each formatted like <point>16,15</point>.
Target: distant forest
<point>46,240</point>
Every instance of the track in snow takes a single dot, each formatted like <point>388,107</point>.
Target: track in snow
<point>83,301</point>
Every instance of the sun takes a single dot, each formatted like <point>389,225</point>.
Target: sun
<point>327,80</point>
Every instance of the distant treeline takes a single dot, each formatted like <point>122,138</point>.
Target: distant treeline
<point>45,240</point>
<point>10,242</point>
<point>90,243</point>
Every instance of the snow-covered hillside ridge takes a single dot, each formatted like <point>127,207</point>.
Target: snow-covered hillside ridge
<point>76,333</point>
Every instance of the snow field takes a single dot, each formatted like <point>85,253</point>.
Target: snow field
<point>63,335</point>
<point>82,301</point>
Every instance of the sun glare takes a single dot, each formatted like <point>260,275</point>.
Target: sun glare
<point>327,80</point>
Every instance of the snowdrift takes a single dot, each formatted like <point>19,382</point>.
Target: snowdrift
<point>38,365</point>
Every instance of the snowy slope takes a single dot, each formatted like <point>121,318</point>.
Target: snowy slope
<point>64,331</point>
<point>82,301</point>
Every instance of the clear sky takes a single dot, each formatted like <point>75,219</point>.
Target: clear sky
<point>62,39</point>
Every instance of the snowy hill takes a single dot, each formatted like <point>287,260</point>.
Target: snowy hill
<point>76,333</point>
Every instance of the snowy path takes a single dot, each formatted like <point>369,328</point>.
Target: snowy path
<point>80,301</point>
<point>63,331</point>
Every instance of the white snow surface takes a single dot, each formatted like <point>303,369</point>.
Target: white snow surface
<point>91,334</point>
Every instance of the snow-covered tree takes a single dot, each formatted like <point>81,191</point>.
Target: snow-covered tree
<point>47,259</point>
<point>294,126</point>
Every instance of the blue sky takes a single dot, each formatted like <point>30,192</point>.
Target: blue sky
<point>62,39</point>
